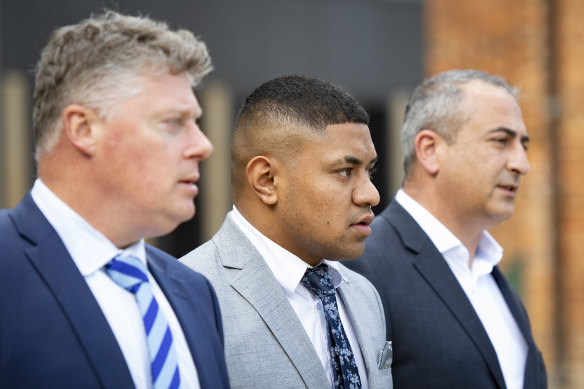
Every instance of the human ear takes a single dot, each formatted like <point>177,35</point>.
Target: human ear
<point>426,145</point>
<point>79,127</point>
<point>260,172</point>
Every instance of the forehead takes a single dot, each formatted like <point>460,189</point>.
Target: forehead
<point>159,91</point>
<point>342,140</point>
<point>489,106</point>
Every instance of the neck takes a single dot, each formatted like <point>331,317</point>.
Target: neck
<point>467,232</point>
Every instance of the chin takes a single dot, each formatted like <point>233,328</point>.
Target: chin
<point>186,213</point>
<point>506,213</point>
<point>498,218</point>
<point>349,255</point>
<point>174,220</point>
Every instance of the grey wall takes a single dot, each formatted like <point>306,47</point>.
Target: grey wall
<point>370,47</point>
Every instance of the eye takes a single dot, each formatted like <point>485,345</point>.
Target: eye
<point>502,141</point>
<point>346,172</point>
<point>371,172</point>
<point>175,123</point>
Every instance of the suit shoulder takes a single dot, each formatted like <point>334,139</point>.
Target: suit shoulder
<point>175,266</point>
<point>205,260</point>
<point>204,249</point>
<point>384,248</point>
<point>6,222</point>
<point>382,229</point>
<point>12,243</point>
<point>156,252</point>
<point>358,281</point>
<point>197,258</point>
<point>364,291</point>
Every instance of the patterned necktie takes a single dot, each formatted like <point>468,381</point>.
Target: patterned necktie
<point>345,373</point>
<point>130,273</point>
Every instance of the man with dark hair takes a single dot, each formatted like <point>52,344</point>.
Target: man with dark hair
<point>453,319</point>
<point>85,302</point>
<point>293,317</point>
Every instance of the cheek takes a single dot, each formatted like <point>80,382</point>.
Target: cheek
<point>331,209</point>
<point>146,168</point>
<point>317,202</point>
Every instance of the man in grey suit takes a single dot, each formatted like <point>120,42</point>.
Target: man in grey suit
<point>453,319</point>
<point>302,156</point>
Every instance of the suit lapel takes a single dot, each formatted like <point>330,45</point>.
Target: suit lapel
<point>532,370</point>
<point>56,268</point>
<point>358,315</point>
<point>171,283</point>
<point>513,304</point>
<point>256,283</point>
<point>434,269</point>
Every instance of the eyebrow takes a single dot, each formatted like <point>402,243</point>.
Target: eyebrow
<point>356,161</point>
<point>511,133</point>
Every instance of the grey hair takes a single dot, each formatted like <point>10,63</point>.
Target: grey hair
<point>94,62</point>
<point>436,105</point>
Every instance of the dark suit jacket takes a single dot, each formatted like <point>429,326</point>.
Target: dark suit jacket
<point>438,339</point>
<point>53,333</point>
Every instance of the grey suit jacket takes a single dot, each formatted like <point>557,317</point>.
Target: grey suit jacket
<point>265,343</point>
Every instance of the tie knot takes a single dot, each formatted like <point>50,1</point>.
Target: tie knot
<point>319,280</point>
<point>128,272</point>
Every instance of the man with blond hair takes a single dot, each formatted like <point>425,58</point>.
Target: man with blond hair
<point>85,302</point>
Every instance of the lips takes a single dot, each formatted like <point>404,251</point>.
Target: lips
<point>363,223</point>
<point>192,180</point>
<point>365,220</point>
<point>190,184</point>
<point>362,226</point>
<point>509,188</point>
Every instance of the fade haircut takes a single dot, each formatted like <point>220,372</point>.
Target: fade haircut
<point>436,104</point>
<point>276,115</point>
<point>94,62</point>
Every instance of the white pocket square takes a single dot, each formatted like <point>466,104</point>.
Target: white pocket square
<point>385,356</point>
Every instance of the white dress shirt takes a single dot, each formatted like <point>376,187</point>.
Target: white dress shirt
<point>91,251</point>
<point>289,270</point>
<point>480,288</point>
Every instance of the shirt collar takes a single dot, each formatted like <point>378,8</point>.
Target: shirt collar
<point>489,252</point>
<point>89,248</point>
<point>286,267</point>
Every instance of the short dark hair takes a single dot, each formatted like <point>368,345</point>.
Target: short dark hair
<point>277,116</point>
<point>306,100</point>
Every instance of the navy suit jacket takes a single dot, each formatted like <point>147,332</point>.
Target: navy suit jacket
<point>438,339</point>
<point>53,333</point>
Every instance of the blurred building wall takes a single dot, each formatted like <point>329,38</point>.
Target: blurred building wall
<point>538,45</point>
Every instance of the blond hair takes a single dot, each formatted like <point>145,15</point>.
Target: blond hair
<point>90,63</point>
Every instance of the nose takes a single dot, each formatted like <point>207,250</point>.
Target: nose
<point>200,146</point>
<point>518,160</point>
<point>366,194</point>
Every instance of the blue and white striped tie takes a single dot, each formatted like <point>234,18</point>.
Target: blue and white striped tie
<point>130,273</point>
